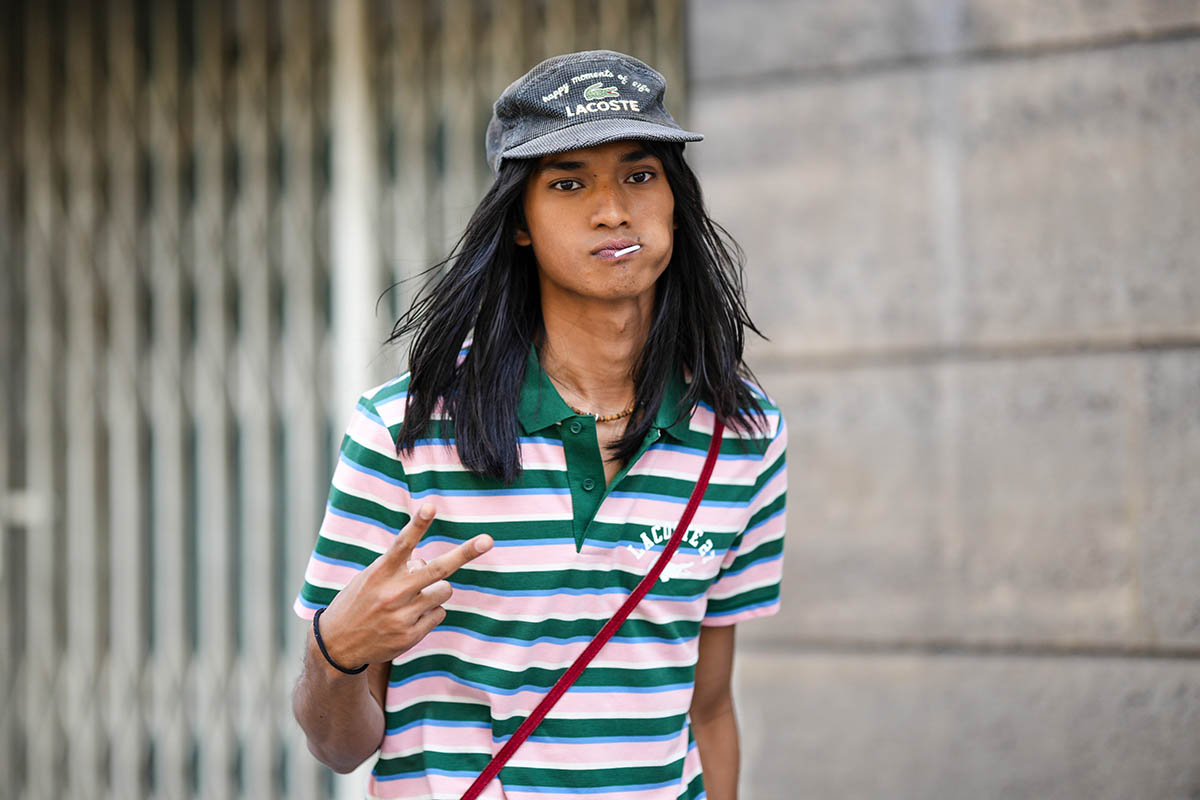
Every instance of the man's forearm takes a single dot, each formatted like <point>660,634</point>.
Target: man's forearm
<point>717,740</point>
<point>342,720</point>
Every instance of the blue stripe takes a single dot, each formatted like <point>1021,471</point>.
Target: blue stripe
<point>565,791</point>
<point>436,443</point>
<point>740,609</point>
<point>483,637</point>
<point>488,492</point>
<point>526,687</point>
<point>522,439</point>
<point>695,451</point>
<point>449,773</point>
<point>570,592</point>
<point>767,412</point>
<point>540,440</point>
<point>337,562</point>
<point>668,498</point>
<point>439,723</point>
<point>369,414</point>
<point>755,563</point>
<point>374,473</point>
<point>559,790</point>
<point>764,520</point>
<point>306,604</point>
<point>665,737</point>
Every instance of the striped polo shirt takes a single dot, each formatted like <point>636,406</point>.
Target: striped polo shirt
<point>568,551</point>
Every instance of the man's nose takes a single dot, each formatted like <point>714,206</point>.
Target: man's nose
<point>609,209</point>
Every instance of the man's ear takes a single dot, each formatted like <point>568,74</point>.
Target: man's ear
<point>522,238</point>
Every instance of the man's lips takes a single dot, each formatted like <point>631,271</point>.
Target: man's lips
<point>610,248</point>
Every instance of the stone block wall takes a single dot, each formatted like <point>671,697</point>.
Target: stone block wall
<point>971,236</point>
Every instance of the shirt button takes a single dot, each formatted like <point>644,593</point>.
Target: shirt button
<point>576,426</point>
<point>588,484</point>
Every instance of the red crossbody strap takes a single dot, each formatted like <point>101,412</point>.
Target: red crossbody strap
<point>575,670</point>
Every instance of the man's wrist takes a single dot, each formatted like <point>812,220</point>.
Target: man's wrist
<point>317,664</point>
<point>335,663</point>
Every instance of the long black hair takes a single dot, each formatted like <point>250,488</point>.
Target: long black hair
<point>489,286</point>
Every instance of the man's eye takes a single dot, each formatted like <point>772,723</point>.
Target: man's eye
<point>641,177</point>
<point>567,184</point>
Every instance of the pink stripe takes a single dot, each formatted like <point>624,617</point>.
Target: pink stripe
<point>573,703</point>
<point>331,575</point>
<point>661,793</point>
<point>360,484</point>
<point>437,785</point>
<point>303,611</point>
<point>370,433</point>
<point>427,456</point>
<point>452,739</point>
<point>515,657</point>
<point>527,557</point>
<point>760,573</point>
<point>620,509</point>
<point>571,606</point>
<point>526,506</point>
<point>357,532</point>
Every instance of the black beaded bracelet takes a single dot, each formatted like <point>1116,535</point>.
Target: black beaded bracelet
<point>324,652</point>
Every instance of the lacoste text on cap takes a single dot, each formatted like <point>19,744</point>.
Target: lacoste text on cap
<point>580,100</point>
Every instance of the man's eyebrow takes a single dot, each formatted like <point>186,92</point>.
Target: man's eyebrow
<point>561,166</point>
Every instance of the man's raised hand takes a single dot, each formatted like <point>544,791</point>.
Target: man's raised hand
<point>393,603</point>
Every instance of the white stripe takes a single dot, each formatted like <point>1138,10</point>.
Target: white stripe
<point>363,543</point>
<point>770,580</point>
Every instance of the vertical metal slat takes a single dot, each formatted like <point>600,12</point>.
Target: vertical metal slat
<point>215,616</point>
<point>127,653</point>
<point>253,402</point>
<point>40,656</point>
<point>168,721</point>
<point>84,542</point>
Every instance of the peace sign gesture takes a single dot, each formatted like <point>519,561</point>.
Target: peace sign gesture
<point>396,601</point>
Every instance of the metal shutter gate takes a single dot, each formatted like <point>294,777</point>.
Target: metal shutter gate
<point>176,374</point>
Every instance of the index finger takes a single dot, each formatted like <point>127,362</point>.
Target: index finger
<point>397,555</point>
<point>447,564</point>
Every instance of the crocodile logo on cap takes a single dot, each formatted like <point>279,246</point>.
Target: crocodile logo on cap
<point>598,91</point>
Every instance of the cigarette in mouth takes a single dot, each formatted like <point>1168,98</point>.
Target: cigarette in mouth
<point>629,249</point>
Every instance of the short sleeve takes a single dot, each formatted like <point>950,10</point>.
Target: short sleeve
<point>747,584</point>
<point>368,506</point>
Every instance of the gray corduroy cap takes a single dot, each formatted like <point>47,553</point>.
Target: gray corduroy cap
<point>580,100</point>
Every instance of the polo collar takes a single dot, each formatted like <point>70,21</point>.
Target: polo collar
<point>540,405</point>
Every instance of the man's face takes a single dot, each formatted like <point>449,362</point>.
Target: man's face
<point>583,206</point>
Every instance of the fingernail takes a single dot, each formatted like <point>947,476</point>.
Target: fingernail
<point>483,544</point>
<point>426,512</point>
<point>414,565</point>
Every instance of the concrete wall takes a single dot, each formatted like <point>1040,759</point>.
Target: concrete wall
<point>972,237</point>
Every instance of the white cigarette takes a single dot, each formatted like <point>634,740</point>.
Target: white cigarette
<point>629,249</point>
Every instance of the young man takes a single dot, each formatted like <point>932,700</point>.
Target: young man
<point>492,508</point>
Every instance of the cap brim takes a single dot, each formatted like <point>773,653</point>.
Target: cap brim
<point>594,132</point>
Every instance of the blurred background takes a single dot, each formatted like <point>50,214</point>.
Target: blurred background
<point>971,236</point>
